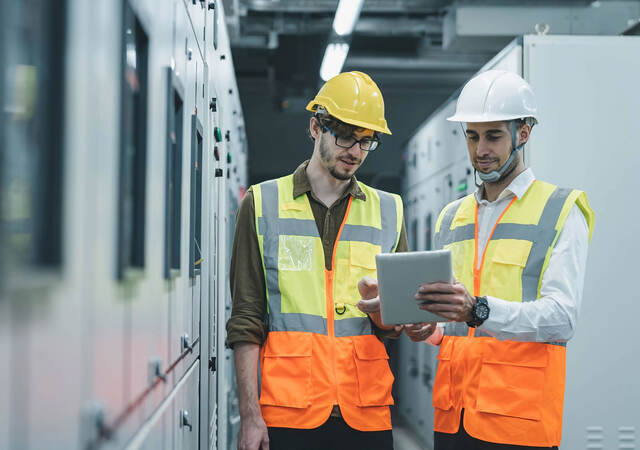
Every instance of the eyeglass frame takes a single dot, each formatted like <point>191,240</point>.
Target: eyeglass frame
<point>374,139</point>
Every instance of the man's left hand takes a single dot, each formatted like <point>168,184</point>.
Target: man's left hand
<point>449,300</point>
<point>419,332</point>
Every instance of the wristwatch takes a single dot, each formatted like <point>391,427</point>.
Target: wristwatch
<point>479,312</point>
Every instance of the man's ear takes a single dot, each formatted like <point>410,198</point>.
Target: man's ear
<point>314,128</point>
<point>524,133</point>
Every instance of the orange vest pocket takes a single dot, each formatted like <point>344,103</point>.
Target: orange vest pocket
<point>286,370</point>
<point>442,383</point>
<point>512,380</point>
<point>372,369</point>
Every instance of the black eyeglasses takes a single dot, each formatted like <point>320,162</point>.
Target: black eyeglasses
<point>367,143</point>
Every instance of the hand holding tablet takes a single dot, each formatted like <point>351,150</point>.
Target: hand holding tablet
<point>399,277</point>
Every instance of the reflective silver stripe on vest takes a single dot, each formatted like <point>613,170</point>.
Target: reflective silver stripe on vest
<point>362,234</point>
<point>460,329</point>
<point>294,321</point>
<point>446,235</point>
<point>542,240</point>
<point>374,235</point>
<point>458,234</point>
<point>482,333</point>
<point>541,236</point>
<point>270,226</point>
<point>389,221</point>
<point>292,227</point>
<point>455,329</point>
<point>352,326</point>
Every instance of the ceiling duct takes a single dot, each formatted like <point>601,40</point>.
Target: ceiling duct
<point>487,27</point>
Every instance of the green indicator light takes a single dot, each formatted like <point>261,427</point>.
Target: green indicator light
<point>218,134</point>
<point>229,158</point>
<point>462,186</point>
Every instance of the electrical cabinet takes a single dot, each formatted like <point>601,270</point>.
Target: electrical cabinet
<point>112,328</point>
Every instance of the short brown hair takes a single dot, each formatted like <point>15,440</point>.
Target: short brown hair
<point>339,127</point>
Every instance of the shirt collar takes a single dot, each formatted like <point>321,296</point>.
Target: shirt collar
<point>518,187</point>
<point>301,184</point>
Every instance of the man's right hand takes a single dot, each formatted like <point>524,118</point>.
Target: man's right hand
<point>368,288</point>
<point>253,434</point>
<point>370,303</point>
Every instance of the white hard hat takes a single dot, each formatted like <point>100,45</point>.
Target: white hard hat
<point>493,96</point>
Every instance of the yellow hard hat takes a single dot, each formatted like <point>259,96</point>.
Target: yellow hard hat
<point>354,98</point>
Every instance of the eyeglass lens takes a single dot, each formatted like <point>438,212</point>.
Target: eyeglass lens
<point>366,144</point>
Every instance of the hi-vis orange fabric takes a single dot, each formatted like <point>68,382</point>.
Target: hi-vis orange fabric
<point>512,392</point>
<point>320,350</point>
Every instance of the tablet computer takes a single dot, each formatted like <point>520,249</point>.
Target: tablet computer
<point>399,277</point>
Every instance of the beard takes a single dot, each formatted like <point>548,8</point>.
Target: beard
<point>512,166</point>
<point>330,161</point>
<point>508,171</point>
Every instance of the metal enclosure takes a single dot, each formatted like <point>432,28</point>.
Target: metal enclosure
<point>115,343</point>
<point>585,86</point>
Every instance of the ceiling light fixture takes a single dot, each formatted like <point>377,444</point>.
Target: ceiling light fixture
<point>334,57</point>
<point>346,16</point>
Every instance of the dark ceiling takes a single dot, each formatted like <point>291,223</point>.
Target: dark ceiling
<point>418,52</point>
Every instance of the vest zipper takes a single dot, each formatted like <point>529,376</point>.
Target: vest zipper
<point>477,271</point>
<point>330,303</point>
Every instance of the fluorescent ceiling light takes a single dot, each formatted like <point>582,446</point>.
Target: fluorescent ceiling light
<point>333,60</point>
<point>346,16</point>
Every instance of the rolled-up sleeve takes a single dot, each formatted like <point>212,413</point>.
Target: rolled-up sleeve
<point>248,291</point>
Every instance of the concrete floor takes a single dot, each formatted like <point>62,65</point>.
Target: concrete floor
<point>404,438</point>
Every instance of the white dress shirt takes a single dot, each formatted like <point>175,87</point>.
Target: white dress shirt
<point>553,316</point>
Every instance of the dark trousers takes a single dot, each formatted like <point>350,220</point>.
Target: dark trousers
<point>462,441</point>
<point>334,434</point>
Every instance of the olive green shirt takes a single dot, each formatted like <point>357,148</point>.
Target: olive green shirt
<point>248,289</point>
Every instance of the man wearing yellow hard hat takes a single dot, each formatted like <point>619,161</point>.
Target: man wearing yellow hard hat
<point>302,243</point>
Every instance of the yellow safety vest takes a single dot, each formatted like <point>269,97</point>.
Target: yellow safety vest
<point>512,392</point>
<point>321,349</point>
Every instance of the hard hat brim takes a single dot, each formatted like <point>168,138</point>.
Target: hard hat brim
<point>311,106</point>
<point>474,118</point>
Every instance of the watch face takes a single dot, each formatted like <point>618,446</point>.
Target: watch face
<point>482,311</point>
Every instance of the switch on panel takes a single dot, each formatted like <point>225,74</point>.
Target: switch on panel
<point>185,422</point>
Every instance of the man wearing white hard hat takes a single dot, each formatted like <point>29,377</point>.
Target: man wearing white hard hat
<point>519,251</point>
